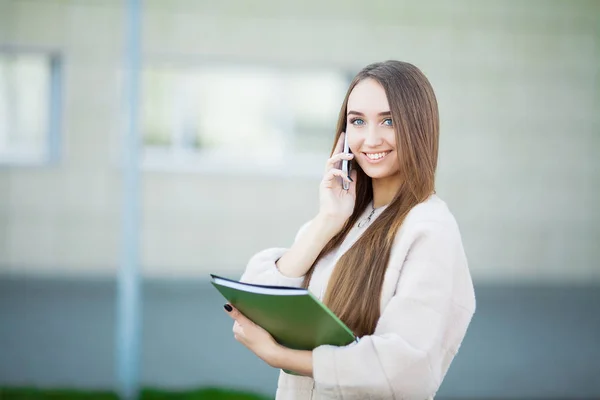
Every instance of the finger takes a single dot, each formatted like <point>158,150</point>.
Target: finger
<point>238,329</point>
<point>332,173</point>
<point>331,163</point>
<point>235,314</point>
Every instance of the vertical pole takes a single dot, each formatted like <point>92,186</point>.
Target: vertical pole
<point>56,98</point>
<point>128,281</point>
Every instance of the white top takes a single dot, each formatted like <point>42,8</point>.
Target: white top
<point>427,303</point>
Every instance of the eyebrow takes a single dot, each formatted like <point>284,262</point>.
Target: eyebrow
<point>381,114</point>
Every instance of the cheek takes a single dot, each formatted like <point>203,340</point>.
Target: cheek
<point>354,147</point>
<point>390,138</point>
<point>354,142</point>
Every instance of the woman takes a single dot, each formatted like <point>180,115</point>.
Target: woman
<point>385,255</point>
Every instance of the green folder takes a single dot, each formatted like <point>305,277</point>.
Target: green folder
<point>293,316</point>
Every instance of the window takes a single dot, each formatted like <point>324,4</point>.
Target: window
<point>239,118</point>
<point>29,107</point>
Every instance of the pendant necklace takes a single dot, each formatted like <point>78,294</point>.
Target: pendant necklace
<point>368,219</point>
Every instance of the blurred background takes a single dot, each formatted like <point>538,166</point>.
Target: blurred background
<point>238,103</point>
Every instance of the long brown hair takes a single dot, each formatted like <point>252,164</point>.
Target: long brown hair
<point>354,289</point>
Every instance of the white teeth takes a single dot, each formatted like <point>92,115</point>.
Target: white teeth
<point>376,156</point>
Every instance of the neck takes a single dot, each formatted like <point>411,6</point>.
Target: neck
<point>384,190</point>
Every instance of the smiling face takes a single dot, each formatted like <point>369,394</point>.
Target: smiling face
<point>370,130</point>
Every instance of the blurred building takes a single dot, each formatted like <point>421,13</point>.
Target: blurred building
<point>239,104</point>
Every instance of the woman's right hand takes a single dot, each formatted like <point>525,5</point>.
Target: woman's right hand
<point>336,204</point>
<point>335,207</point>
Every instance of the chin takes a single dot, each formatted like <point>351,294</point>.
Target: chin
<point>378,173</point>
<point>380,176</point>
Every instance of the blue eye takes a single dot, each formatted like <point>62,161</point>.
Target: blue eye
<point>357,121</point>
<point>388,122</point>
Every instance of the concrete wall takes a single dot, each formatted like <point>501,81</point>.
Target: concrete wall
<point>518,85</point>
<point>525,342</point>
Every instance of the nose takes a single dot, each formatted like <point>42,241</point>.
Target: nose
<point>373,138</point>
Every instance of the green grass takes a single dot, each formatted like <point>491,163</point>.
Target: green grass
<point>146,394</point>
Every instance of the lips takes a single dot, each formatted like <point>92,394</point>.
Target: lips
<point>376,157</point>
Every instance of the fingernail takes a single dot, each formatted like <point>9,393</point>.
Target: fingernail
<point>351,180</point>
<point>228,308</point>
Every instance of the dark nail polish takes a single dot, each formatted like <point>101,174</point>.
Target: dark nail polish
<point>351,180</point>
<point>228,308</point>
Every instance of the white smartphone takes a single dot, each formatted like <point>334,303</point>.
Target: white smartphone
<point>346,164</point>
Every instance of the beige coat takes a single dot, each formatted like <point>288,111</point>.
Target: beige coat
<point>427,303</point>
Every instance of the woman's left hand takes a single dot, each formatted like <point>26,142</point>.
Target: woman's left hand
<point>255,338</point>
